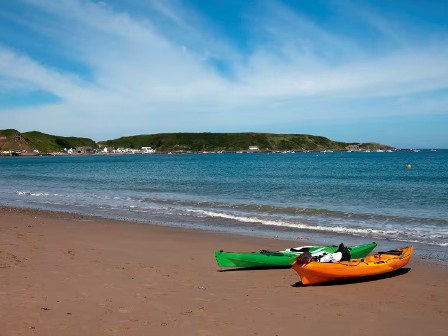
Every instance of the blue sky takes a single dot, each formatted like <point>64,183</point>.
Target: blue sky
<point>355,71</point>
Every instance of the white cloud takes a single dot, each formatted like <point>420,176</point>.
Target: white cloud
<point>167,81</point>
<point>26,73</point>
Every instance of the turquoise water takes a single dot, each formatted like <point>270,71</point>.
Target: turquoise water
<point>325,197</point>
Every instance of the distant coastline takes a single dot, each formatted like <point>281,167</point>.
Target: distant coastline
<point>14,143</point>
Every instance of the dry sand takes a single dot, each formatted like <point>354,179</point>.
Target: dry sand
<point>63,274</point>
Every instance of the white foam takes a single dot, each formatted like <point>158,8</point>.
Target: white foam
<point>29,193</point>
<point>336,229</point>
<point>408,235</point>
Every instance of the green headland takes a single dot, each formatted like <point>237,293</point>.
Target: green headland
<point>38,142</point>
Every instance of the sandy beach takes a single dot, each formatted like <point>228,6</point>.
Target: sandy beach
<point>63,274</point>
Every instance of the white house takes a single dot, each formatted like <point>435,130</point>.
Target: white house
<point>148,150</point>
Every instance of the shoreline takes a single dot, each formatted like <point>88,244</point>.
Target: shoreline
<point>68,274</point>
<point>298,241</point>
<point>426,253</point>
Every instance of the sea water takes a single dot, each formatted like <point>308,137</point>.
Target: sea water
<point>396,199</point>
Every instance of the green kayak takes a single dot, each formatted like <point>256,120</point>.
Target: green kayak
<point>283,258</point>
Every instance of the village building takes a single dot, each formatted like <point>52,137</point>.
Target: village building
<point>148,150</point>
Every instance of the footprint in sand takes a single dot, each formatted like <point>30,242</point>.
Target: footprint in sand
<point>8,260</point>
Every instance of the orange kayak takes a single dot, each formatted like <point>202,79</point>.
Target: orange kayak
<point>384,262</point>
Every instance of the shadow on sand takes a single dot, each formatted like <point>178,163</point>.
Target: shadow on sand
<point>398,272</point>
<point>252,269</point>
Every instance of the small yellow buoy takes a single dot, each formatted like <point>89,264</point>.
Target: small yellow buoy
<point>409,166</point>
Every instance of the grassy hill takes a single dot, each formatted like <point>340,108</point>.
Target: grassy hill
<point>52,143</point>
<point>11,139</point>
<point>8,132</point>
<point>227,142</point>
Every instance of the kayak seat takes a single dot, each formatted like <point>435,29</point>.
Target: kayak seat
<point>272,253</point>
<point>297,250</point>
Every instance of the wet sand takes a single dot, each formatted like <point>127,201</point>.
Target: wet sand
<point>63,274</point>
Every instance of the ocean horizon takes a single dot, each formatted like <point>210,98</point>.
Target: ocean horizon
<point>396,199</point>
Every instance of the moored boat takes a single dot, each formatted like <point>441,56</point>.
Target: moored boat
<point>316,272</point>
<point>283,258</point>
